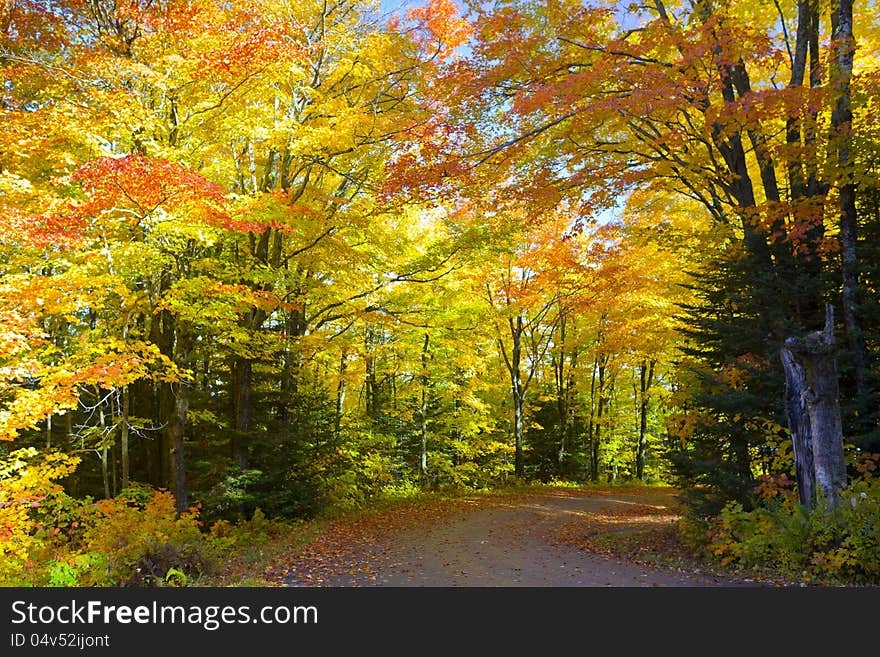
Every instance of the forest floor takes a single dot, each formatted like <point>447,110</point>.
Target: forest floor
<point>546,537</point>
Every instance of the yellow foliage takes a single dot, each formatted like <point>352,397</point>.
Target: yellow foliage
<point>28,479</point>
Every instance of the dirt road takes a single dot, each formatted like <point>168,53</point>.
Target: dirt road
<point>515,541</point>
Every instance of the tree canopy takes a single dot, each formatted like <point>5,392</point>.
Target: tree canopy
<point>290,256</point>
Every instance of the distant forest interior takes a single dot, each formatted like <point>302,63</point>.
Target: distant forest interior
<point>267,263</point>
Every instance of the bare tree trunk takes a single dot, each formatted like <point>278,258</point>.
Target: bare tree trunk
<point>799,426</point>
<point>814,387</point>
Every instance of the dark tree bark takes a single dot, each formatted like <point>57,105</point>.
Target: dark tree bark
<point>811,372</point>
<point>423,411</point>
<point>564,360</point>
<point>174,339</point>
<point>842,51</point>
<point>124,433</point>
<point>243,408</point>
<point>176,430</point>
<point>295,328</point>
<point>591,425</point>
<point>518,394</point>
<point>601,363</point>
<point>340,394</point>
<point>372,401</point>
<point>177,422</point>
<point>164,330</point>
<point>560,380</point>
<point>646,380</point>
<point>524,333</point>
<point>266,249</point>
<point>105,439</point>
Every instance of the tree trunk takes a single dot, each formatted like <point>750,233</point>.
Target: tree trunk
<point>564,379</point>
<point>176,433</point>
<point>162,333</point>
<point>799,426</point>
<point>842,50</point>
<point>295,328</point>
<point>592,446</point>
<point>113,488</point>
<point>242,404</point>
<point>646,380</point>
<point>371,385</point>
<point>601,391</point>
<point>105,439</point>
<point>518,396</point>
<point>287,387</point>
<point>610,381</point>
<point>126,404</point>
<point>811,375</point>
<point>423,413</point>
<point>518,435</point>
<point>340,394</point>
<point>177,422</point>
<point>455,433</point>
<point>174,341</point>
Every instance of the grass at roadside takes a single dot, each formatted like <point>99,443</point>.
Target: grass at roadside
<point>650,535</point>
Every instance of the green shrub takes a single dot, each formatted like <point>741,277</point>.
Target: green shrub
<point>836,543</point>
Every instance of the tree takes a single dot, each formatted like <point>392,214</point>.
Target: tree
<point>682,101</point>
<point>523,328</point>
<point>814,413</point>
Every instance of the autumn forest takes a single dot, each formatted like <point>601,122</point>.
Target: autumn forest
<point>268,262</point>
